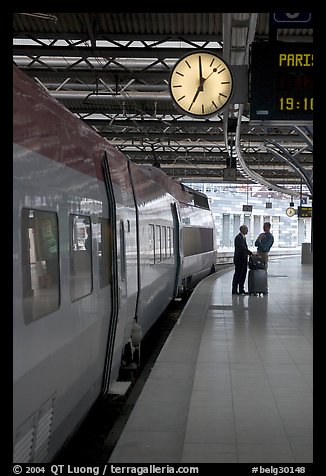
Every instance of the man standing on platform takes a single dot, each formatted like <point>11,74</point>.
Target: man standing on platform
<point>240,260</point>
<point>264,243</point>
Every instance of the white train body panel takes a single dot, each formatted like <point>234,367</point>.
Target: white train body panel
<point>98,244</point>
<point>59,358</point>
<point>157,261</point>
<point>68,343</point>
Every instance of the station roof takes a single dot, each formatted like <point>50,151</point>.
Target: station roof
<point>112,71</point>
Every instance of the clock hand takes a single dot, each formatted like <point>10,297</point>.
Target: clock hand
<point>205,79</point>
<point>201,79</point>
<point>201,82</point>
<point>200,88</point>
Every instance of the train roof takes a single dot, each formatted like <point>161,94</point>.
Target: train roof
<point>183,193</point>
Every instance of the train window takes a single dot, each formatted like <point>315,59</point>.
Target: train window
<point>158,247</point>
<point>197,240</point>
<point>164,253</point>
<point>40,263</point>
<point>168,242</point>
<point>80,256</point>
<point>201,200</point>
<point>151,244</point>
<point>105,252</point>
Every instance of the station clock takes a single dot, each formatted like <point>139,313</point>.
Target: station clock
<point>201,84</point>
<point>290,211</point>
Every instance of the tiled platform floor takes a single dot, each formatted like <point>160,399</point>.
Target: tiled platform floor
<point>233,382</point>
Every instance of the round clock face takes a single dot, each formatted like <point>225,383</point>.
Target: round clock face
<point>290,212</point>
<point>201,84</point>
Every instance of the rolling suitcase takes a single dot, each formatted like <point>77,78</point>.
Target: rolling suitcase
<point>257,279</point>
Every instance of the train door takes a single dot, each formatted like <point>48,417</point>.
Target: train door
<point>124,273</point>
<point>176,245</point>
<point>114,287</point>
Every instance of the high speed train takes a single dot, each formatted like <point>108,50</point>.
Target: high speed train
<point>100,248</point>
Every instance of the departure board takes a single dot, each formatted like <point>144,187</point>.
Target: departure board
<point>281,81</point>
<point>304,212</point>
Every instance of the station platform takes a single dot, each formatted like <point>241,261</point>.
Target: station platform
<point>233,381</point>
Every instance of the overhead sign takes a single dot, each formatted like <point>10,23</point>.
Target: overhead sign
<point>281,81</point>
<point>304,212</point>
<point>291,20</point>
<point>247,208</point>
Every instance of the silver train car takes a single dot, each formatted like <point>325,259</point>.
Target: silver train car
<point>101,246</point>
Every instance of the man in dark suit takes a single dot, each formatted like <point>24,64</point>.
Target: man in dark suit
<point>240,260</point>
